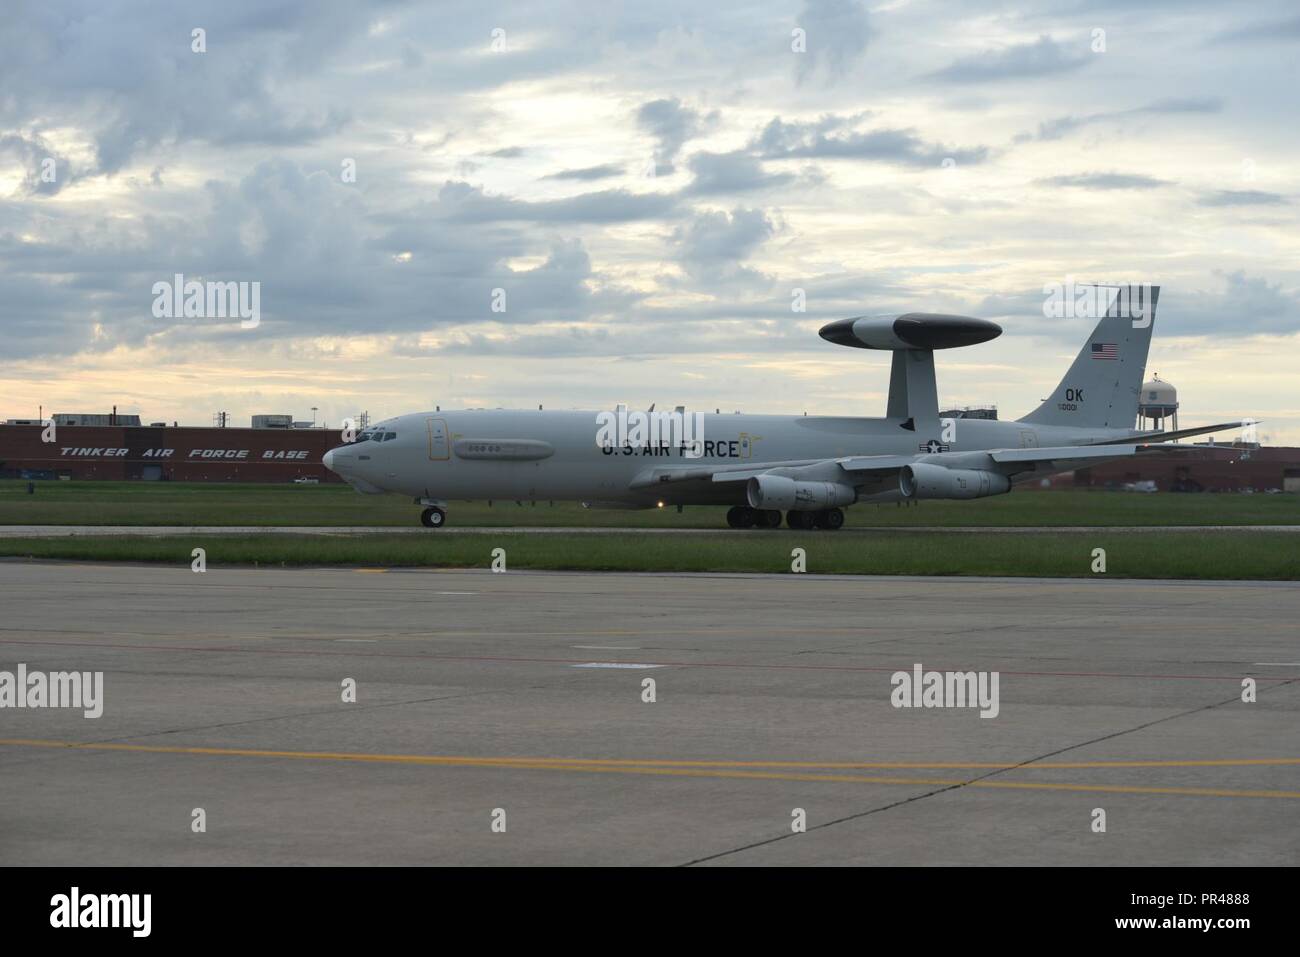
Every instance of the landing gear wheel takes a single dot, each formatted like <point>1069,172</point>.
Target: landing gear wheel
<point>832,518</point>
<point>739,516</point>
<point>771,518</point>
<point>433,517</point>
<point>797,519</point>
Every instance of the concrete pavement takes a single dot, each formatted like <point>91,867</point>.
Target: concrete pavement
<point>524,692</point>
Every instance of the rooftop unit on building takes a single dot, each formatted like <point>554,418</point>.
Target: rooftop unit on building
<point>273,421</point>
<point>95,418</point>
<point>989,412</point>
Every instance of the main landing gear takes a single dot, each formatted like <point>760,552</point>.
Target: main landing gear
<point>744,517</point>
<point>433,517</point>
<point>830,519</point>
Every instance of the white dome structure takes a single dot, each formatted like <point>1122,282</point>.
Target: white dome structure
<point>1157,402</point>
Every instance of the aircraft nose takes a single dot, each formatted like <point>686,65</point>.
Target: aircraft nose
<point>327,460</point>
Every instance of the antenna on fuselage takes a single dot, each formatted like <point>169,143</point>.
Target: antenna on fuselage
<point>912,337</point>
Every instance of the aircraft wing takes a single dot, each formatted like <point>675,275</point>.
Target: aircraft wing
<point>663,474</point>
<point>868,469</point>
<point>857,469</point>
<point>1006,461</point>
<point>1062,453</point>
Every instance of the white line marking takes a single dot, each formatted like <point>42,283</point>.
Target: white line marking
<point>455,593</point>
<point>608,647</point>
<point>1279,664</point>
<point>614,664</point>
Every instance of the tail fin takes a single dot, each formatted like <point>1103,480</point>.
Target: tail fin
<point>1102,388</point>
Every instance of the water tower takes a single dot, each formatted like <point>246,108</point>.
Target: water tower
<point>1158,401</point>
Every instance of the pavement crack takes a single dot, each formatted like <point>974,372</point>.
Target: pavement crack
<point>980,777</point>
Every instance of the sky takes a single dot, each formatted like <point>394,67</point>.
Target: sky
<point>574,204</point>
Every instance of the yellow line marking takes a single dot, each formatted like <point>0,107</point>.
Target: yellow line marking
<point>701,769</point>
<point>903,765</point>
<point>370,571</point>
<point>929,782</point>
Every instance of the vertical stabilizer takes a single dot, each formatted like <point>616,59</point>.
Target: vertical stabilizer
<point>1102,388</point>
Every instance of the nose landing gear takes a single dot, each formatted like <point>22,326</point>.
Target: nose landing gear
<point>433,517</point>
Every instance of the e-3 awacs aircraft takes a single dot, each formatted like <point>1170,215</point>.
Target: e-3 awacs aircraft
<point>808,466</point>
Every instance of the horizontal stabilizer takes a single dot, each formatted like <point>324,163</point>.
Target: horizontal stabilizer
<point>1155,437</point>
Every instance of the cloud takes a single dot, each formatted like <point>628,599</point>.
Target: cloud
<point>671,124</point>
<point>1104,181</point>
<point>132,81</point>
<point>226,166</point>
<point>832,137</point>
<point>1274,31</point>
<point>712,244</point>
<point>45,171</point>
<point>587,173</point>
<point>1238,305</point>
<point>326,263</point>
<point>1059,127</point>
<point>837,36</point>
<point>1242,197</point>
<point>462,203</point>
<point>735,172</point>
<point>1044,57</point>
<point>1244,306</point>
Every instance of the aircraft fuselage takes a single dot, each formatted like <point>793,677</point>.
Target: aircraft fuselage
<point>532,455</point>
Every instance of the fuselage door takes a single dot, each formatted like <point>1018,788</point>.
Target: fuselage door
<point>1028,440</point>
<point>439,447</point>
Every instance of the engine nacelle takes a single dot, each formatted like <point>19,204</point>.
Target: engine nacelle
<point>778,492</point>
<point>924,480</point>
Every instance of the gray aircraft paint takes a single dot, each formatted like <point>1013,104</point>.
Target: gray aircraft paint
<point>579,470</point>
<point>552,455</point>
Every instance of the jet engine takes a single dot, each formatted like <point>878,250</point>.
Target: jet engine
<point>924,480</point>
<point>778,492</point>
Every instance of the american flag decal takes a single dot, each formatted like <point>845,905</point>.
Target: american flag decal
<point>1105,350</point>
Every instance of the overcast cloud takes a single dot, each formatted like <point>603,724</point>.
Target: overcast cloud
<point>580,203</point>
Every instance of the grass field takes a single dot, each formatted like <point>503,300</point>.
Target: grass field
<point>1200,555</point>
<point>894,550</point>
<point>177,503</point>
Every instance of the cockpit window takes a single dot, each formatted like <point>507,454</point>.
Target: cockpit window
<point>389,436</point>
